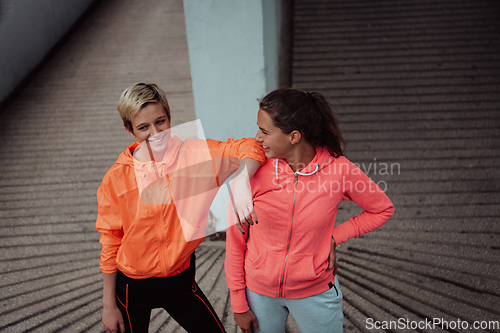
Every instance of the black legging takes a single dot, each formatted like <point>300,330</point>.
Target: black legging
<point>179,295</point>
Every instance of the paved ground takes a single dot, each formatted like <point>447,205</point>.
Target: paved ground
<point>60,136</point>
<point>416,86</point>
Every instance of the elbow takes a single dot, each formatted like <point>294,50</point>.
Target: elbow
<point>390,211</point>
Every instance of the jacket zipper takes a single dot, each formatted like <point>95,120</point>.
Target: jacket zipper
<point>160,231</point>
<point>290,237</point>
<point>160,227</point>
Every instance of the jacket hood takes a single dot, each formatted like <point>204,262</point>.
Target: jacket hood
<point>126,157</point>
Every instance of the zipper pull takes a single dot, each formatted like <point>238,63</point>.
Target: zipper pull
<point>296,176</point>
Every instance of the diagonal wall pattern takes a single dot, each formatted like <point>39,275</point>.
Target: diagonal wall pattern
<point>416,87</point>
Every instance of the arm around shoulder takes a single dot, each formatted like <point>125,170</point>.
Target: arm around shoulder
<point>241,149</point>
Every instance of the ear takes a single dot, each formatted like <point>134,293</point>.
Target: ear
<point>295,137</point>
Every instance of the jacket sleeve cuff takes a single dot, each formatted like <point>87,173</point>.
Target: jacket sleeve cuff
<point>255,151</point>
<point>108,271</point>
<point>342,232</point>
<point>239,302</point>
<point>108,257</point>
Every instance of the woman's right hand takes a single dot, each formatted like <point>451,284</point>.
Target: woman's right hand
<point>332,258</point>
<point>112,319</point>
<point>246,321</point>
<point>111,315</point>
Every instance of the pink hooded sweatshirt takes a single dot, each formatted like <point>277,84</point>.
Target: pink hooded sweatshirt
<point>286,253</point>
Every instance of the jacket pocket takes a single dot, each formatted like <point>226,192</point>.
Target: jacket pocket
<point>263,268</point>
<point>139,252</point>
<point>300,269</point>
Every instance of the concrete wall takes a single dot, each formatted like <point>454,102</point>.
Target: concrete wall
<point>233,53</point>
<point>28,30</point>
<point>271,14</point>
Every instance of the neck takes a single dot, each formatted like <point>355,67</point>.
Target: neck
<point>300,156</point>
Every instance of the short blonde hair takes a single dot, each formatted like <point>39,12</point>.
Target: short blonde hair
<point>137,96</point>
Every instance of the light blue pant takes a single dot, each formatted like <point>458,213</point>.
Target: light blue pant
<point>321,313</point>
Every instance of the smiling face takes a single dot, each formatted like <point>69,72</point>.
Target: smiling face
<point>151,123</point>
<point>276,143</point>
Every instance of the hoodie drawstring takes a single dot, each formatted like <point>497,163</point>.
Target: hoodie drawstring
<point>297,172</point>
<point>310,173</point>
<point>277,180</point>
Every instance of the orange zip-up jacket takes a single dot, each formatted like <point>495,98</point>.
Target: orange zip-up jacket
<point>152,216</point>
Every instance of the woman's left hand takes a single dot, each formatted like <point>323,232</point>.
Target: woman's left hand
<point>332,259</point>
<point>241,194</point>
<point>242,203</point>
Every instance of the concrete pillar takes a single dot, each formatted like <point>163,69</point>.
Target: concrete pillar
<point>233,53</point>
